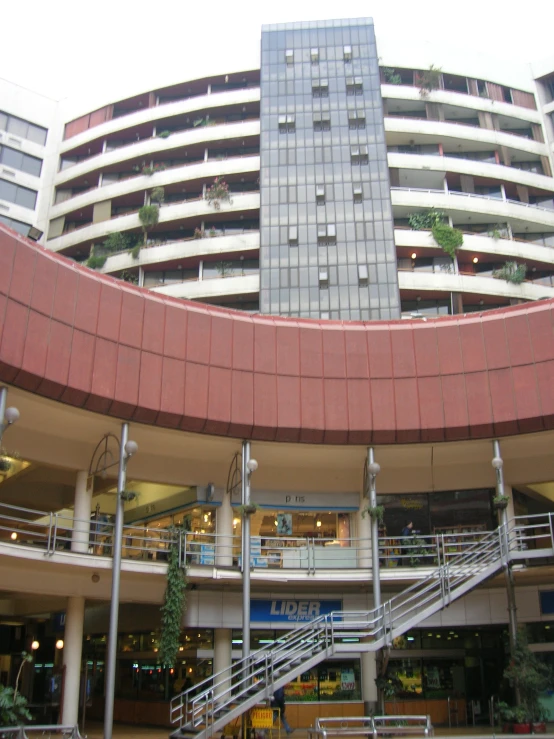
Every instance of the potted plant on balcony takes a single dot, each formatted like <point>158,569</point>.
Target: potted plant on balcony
<point>511,272</point>
<point>429,80</point>
<point>218,193</point>
<point>376,512</point>
<point>149,216</point>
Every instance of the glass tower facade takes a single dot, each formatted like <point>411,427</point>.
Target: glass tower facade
<point>327,242</point>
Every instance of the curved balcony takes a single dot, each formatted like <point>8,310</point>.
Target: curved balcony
<point>478,244</point>
<point>450,282</point>
<point>426,131</point>
<point>206,289</point>
<point>184,173</point>
<point>460,204</point>
<point>150,115</point>
<point>462,100</point>
<point>168,213</point>
<point>445,164</point>
<point>155,145</point>
<point>184,249</point>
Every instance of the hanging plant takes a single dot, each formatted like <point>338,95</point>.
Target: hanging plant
<point>429,80</point>
<point>500,502</point>
<point>511,272</point>
<point>247,510</point>
<point>174,604</point>
<point>448,238</point>
<point>376,512</point>
<point>218,193</point>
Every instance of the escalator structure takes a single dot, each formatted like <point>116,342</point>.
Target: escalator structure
<point>207,707</point>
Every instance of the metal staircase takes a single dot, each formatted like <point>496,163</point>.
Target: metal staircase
<point>208,706</point>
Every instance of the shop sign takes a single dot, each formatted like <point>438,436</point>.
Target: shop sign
<point>291,610</point>
<point>547,601</point>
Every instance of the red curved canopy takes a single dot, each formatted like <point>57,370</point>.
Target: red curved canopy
<point>97,343</point>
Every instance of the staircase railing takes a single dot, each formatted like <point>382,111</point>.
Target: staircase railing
<point>230,692</point>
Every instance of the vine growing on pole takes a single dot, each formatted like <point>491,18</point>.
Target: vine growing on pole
<point>174,602</point>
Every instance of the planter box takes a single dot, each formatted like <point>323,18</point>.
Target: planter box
<point>522,728</point>
<point>538,728</point>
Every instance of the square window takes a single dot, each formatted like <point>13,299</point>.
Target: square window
<point>320,88</point>
<point>314,56</point>
<point>289,56</point>
<point>287,124</point>
<point>363,274</point>
<point>320,193</point>
<point>347,53</point>
<point>358,193</point>
<point>323,277</point>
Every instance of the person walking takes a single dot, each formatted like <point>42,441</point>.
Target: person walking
<point>278,702</point>
<point>407,532</point>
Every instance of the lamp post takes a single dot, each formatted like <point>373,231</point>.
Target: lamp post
<point>7,415</point>
<point>498,464</point>
<point>249,466</point>
<point>127,449</point>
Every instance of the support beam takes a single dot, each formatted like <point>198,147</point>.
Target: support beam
<point>81,512</point>
<point>72,649</point>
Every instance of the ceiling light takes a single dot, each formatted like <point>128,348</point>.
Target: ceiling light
<point>475,260</point>
<point>318,523</point>
<point>35,645</point>
<point>13,535</point>
<point>59,644</point>
<point>414,255</point>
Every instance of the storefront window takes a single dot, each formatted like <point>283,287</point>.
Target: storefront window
<point>329,681</point>
<point>146,680</point>
<point>428,678</point>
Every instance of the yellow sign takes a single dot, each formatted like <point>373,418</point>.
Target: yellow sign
<point>261,718</point>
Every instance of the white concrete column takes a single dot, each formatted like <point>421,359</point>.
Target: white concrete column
<point>222,655</point>
<point>510,511</point>
<point>364,534</point>
<point>72,649</point>
<point>369,688</point>
<point>224,531</point>
<point>81,512</point>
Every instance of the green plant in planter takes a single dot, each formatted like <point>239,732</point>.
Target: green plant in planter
<point>417,550</point>
<point>511,272</point>
<point>157,195</point>
<point>448,238</point>
<point>388,685</point>
<point>500,501</point>
<point>164,134</point>
<point>530,677</point>
<point>218,193</point>
<point>429,80</point>
<point>391,76</point>
<point>225,269</point>
<point>149,215</point>
<point>198,233</point>
<point>376,512</point>
<point>498,231</point>
<point>174,604</point>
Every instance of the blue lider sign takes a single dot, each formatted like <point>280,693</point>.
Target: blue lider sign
<point>290,610</point>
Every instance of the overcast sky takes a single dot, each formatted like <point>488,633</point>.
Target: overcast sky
<point>60,46</point>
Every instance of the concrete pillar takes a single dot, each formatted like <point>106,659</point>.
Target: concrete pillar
<point>224,531</point>
<point>222,655</point>
<point>369,688</point>
<point>72,649</point>
<point>81,512</point>
<point>510,512</point>
<point>364,534</point>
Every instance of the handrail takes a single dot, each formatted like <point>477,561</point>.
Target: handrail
<point>470,195</point>
<point>53,533</point>
<point>22,732</point>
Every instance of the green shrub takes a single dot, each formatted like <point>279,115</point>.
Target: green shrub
<point>157,195</point>
<point>119,242</point>
<point>164,134</point>
<point>429,80</point>
<point>391,76</point>
<point>135,251</point>
<point>149,216</point>
<point>511,272</point>
<point>448,238</point>
<point>425,220</point>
